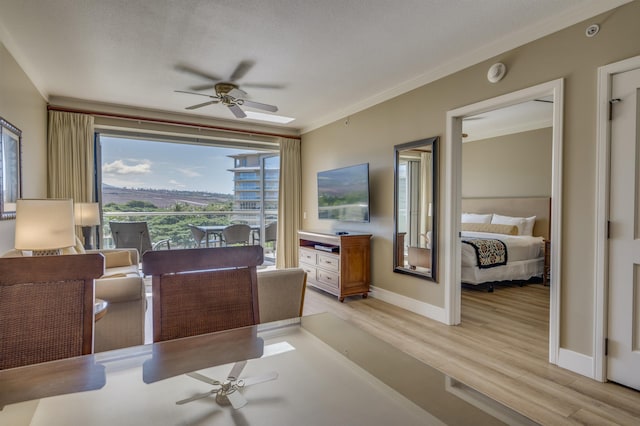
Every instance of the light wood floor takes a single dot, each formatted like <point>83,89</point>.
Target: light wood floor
<point>500,349</point>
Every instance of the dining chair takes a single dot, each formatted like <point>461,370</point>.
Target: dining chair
<point>281,293</point>
<point>134,235</point>
<point>46,307</point>
<point>197,291</point>
<point>238,233</point>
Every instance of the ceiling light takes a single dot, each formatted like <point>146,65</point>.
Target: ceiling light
<point>269,117</point>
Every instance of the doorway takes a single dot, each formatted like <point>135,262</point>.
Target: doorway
<point>453,193</point>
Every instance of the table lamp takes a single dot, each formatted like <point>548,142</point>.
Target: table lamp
<point>44,226</point>
<point>87,215</point>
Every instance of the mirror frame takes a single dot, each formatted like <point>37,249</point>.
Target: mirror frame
<point>10,169</point>
<point>433,142</point>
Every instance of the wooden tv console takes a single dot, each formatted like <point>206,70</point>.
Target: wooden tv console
<point>343,268</point>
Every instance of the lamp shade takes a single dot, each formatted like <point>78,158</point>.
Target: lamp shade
<point>87,214</point>
<point>44,224</point>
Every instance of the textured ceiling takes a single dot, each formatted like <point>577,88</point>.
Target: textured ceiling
<point>328,58</point>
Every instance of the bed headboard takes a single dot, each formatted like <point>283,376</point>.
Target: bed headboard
<point>540,207</point>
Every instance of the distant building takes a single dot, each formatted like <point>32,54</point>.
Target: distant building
<point>255,189</point>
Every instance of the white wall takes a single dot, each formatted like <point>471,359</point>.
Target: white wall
<point>516,165</point>
<point>23,106</point>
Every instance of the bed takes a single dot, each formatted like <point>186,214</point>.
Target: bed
<point>491,253</point>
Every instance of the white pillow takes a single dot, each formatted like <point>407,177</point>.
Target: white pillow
<point>524,224</point>
<point>476,218</point>
<point>529,223</point>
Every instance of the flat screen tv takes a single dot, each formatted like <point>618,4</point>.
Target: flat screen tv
<point>343,194</point>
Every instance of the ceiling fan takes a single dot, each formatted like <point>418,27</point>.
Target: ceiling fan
<point>227,92</point>
<point>227,392</point>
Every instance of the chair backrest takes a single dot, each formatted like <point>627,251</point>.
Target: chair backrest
<point>197,291</point>
<point>131,235</point>
<point>197,233</point>
<point>46,307</point>
<point>238,233</point>
<point>271,232</point>
<point>281,293</point>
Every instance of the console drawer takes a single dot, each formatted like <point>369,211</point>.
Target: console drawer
<point>328,278</point>
<point>329,262</point>
<point>310,270</point>
<point>307,256</point>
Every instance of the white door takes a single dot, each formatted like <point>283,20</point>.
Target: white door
<point>623,360</point>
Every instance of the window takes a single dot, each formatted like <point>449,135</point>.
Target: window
<point>170,184</point>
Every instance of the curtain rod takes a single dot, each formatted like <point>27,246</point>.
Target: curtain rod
<point>163,121</point>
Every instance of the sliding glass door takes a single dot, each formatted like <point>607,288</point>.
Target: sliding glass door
<point>171,182</point>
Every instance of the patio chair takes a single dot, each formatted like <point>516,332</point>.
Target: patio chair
<point>270,233</point>
<point>134,235</point>
<point>198,291</point>
<point>199,236</point>
<point>46,307</point>
<point>238,233</point>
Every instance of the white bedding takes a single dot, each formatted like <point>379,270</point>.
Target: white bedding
<point>525,259</point>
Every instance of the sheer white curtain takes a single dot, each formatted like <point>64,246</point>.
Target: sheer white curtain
<point>70,152</point>
<point>289,199</point>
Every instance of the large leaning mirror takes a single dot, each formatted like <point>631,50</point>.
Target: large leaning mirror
<point>416,206</point>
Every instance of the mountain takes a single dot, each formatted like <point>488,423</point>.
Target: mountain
<point>162,198</point>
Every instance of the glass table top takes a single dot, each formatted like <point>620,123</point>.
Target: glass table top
<point>317,370</point>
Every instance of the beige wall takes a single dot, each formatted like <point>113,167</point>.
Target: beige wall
<point>370,135</point>
<point>22,105</point>
<point>516,165</point>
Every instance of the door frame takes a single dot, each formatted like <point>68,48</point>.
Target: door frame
<point>453,193</point>
<point>601,261</point>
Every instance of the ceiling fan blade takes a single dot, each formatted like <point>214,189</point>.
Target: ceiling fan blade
<point>242,68</point>
<point>194,93</point>
<point>196,397</point>
<point>203,378</point>
<point>202,87</point>
<point>236,399</point>
<point>237,369</point>
<point>264,85</point>
<point>191,70</point>
<point>238,418</point>
<point>202,104</point>
<point>260,379</point>
<point>237,93</point>
<point>259,105</point>
<point>237,111</point>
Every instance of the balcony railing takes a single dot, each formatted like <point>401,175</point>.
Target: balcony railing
<point>173,225</point>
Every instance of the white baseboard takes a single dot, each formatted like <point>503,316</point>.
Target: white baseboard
<point>576,362</point>
<point>421,308</point>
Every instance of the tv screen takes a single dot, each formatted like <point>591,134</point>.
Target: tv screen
<point>343,194</point>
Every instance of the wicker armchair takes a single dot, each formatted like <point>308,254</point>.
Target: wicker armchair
<point>46,307</point>
<point>197,291</point>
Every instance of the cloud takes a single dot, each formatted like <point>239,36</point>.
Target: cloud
<point>189,172</point>
<point>119,167</point>
<point>177,184</point>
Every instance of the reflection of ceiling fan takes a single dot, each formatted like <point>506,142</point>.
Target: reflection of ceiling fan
<point>228,391</point>
<point>227,91</point>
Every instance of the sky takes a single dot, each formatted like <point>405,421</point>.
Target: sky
<point>134,163</point>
